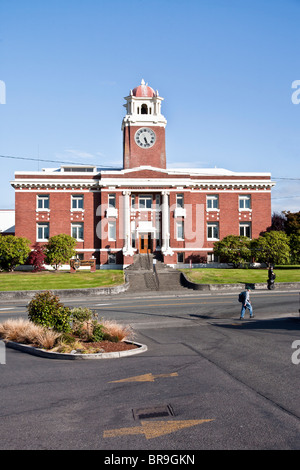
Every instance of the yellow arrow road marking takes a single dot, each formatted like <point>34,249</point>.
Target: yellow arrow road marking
<point>145,378</point>
<point>155,428</point>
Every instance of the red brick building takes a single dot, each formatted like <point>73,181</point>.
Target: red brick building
<point>144,207</point>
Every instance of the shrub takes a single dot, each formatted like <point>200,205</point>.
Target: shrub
<point>83,320</point>
<point>98,332</point>
<point>116,332</point>
<point>13,251</point>
<point>36,258</point>
<point>82,314</point>
<point>60,249</point>
<point>233,249</point>
<point>45,309</point>
<point>24,331</point>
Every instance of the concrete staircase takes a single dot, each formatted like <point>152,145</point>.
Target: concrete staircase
<point>143,275</point>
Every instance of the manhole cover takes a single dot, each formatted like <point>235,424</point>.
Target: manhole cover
<point>153,412</point>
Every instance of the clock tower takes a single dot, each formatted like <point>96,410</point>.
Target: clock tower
<point>144,129</point>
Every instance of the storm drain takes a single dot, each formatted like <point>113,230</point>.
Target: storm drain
<point>153,412</point>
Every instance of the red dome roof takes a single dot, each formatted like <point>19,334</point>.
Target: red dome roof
<point>143,90</point>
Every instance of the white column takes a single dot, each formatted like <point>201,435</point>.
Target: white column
<point>165,224</point>
<point>127,248</point>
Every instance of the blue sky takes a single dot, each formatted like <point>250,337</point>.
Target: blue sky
<point>224,67</point>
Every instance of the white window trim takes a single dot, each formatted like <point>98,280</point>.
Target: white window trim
<point>146,196</point>
<point>76,197</point>
<point>39,225</point>
<point>77,224</point>
<point>180,262</point>
<point>212,197</point>
<point>178,197</point>
<point>115,258</point>
<point>212,224</point>
<point>42,197</point>
<point>245,198</point>
<point>181,222</point>
<point>245,224</point>
<point>112,196</point>
<point>112,222</point>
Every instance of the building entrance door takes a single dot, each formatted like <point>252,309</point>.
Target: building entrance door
<point>145,242</point>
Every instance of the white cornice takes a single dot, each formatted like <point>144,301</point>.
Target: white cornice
<point>196,180</point>
<point>188,183</point>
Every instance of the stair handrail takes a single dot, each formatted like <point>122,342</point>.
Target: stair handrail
<point>156,276</point>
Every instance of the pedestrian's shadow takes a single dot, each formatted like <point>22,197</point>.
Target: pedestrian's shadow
<point>287,323</point>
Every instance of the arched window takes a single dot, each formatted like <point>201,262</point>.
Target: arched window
<point>144,109</point>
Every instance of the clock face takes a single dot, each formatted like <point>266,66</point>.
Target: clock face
<point>145,137</point>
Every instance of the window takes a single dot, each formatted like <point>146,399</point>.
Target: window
<point>179,200</point>
<point>212,202</point>
<point>144,109</point>
<point>245,229</point>
<point>180,230</point>
<point>212,231</point>
<point>112,200</point>
<point>212,258</point>
<point>145,202</point>
<point>112,230</point>
<point>77,231</point>
<point>132,202</point>
<point>157,201</point>
<point>133,239</point>
<point>244,202</point>
<point>43,202</point>
<point>77,202</point>
<point>43,231</point>
<point>88,169</point>
<point>180,258</point>
<point>112,258</point>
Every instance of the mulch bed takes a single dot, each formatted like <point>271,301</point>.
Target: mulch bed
<point>108,346</point>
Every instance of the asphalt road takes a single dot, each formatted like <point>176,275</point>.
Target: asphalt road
<point>207,381</point>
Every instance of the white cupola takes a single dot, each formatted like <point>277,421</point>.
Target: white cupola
<point>143,106</point>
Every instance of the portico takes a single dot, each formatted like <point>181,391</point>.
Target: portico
<point>146,222</point>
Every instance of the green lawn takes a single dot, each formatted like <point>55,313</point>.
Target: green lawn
<point>234,276</point>
<point>48,280</point>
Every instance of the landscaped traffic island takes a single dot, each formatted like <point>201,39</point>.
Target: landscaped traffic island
<point>57,330</point>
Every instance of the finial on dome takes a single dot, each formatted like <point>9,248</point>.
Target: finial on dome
<point>143,82</point>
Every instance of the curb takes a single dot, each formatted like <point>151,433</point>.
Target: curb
<point>66,356</point>
<point>66,293</point>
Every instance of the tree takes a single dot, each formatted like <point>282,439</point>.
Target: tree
<point>59,250</point>
<point>271,247</point>
<point>233,249</point>
<point>294,242</point>
<point>292,225</point>
<point>36,258</point>
<point>278,222</point>
<point>13,251</point>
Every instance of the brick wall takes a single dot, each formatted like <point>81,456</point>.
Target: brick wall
<point>134,156</point>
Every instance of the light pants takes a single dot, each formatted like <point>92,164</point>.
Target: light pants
<point>244,306</point>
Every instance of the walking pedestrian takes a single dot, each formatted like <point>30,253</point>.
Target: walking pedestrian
<point>246,304</point>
